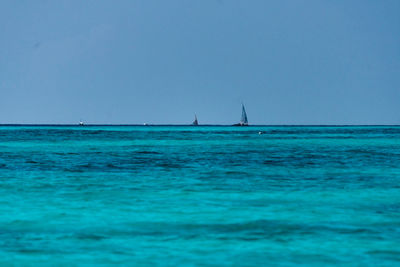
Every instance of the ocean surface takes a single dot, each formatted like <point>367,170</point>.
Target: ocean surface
<point>199,196</point>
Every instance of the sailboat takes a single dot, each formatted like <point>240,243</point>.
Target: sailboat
<point>243,120</point>
<point>195,122</point>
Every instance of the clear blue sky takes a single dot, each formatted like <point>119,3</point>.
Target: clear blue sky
<point>290,62</point>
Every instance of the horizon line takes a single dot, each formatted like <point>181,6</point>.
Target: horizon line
<point>200,125</point>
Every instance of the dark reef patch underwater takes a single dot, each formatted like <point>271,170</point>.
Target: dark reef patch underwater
<point>165,195</point>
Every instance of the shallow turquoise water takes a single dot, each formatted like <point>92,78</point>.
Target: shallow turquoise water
<point>199,196</point>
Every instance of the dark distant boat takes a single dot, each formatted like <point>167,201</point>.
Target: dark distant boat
<point>195,122</point>
<point>81,123</point>
<point>243,120</point>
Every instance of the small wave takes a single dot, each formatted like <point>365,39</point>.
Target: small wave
<point>148,152</point>
<point>95,237</point>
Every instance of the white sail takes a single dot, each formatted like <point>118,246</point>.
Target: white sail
<point>243,120</point>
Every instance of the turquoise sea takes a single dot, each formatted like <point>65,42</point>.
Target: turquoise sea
<point>199,196</point>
